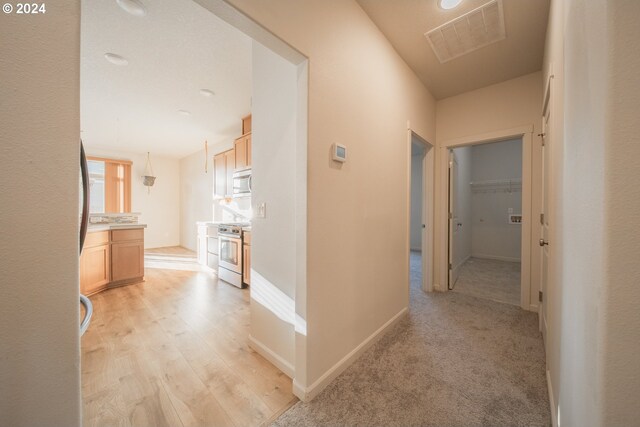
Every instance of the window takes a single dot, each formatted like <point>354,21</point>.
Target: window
<point>109,185</point>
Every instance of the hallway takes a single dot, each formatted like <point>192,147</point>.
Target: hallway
<point>454,360</point>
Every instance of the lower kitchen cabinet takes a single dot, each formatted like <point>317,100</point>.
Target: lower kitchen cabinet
<point>127,255</point>
<point>127,261</point>
<point>95,269</point>
<point>111,258</point>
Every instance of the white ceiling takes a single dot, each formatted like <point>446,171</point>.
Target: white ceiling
<point>404,23</point>
<point>174,51</point>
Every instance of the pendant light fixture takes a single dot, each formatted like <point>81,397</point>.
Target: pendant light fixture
<point>149,178</point>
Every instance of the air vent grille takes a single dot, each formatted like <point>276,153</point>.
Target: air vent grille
<point>471,31</point>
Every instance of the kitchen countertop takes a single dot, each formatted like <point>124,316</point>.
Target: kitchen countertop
<point>106,227</point>
<point>211,222</point>
<point>244,227</point>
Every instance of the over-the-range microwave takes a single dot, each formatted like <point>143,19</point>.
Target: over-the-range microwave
<point>242,183</point>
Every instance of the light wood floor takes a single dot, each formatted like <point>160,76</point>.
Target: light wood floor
<point>173,351</point>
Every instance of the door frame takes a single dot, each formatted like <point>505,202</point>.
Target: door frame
<point>452,206</point>
<point>428,211</point>
<point>526,134</point>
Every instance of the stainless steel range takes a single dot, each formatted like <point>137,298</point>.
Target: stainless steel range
<point>230,253</point>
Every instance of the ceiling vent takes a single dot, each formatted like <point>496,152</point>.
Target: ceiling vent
<point>471,31</point>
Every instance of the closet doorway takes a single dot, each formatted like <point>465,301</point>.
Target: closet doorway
<point>485,215</point>
<point>485,224</point>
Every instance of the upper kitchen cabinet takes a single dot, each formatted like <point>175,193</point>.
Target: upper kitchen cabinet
<point>110,185</point>
<point>223,165</point>
<point>246,125</point>
<point>230,163</point>
<point>219,175</point>
<point>242,147</point>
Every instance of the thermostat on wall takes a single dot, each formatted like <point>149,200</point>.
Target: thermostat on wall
<point>339,153</point>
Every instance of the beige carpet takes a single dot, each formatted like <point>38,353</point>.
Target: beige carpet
<point>492,279</point>
<point>455,360</point>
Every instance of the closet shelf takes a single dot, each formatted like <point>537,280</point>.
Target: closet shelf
<point>496,185</point>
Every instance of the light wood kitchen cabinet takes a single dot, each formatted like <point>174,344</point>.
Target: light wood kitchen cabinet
<point>246,124</point>
<point>111,258</point>
<point>219,175</point>
<point>226,163</point>
<point>223,166</point>
<point>230,164</point>
<point>127,255</point>
<point>246,257</point>
<point>242,147</point>
<point>95,268</point>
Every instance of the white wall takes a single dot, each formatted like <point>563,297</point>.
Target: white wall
<point>39,286</point>
<point>273,243</point>
<point>507,105</point>
<point>491,234</point>
<point>462,238</point>
<point>621,379</point>
<point>417,157</point>
<point>358,214</point>
<point>160,208</point>
<point>196,196</point>
<point>594,335</point>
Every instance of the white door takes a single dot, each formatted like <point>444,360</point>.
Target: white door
<point>453,216</point>
<point>544,220</point>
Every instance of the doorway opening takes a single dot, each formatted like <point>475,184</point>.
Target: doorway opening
<point>421,190</point>
<point>486,220</point>
<point>184,315</point>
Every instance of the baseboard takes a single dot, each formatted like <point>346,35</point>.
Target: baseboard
<point>272,357</point>
<point>552,402</point>
<point>495,257</point>
<point>314,389</point>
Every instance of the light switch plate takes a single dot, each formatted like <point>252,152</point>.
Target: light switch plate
<point>262,210</point>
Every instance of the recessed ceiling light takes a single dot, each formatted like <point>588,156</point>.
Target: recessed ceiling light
<point>115,59</point>
<point>448,4</point>
<point>133,7</point>
<point>206,92</point>
<point>184,112</point>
